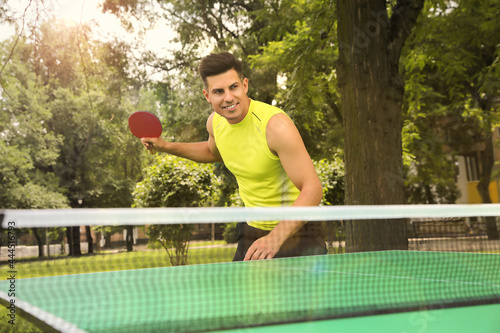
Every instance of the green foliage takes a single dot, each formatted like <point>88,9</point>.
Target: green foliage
<point>305,58</point>
<point>175,182</point>
<point>451,75</point>
<point>230,233</point>
<point>184,107</point>
<point>174,239</point>
<point>331,175</point>
<point>228,188</point>
<point>67,99</point>
<point>21,186</point>
<point>33,196</point>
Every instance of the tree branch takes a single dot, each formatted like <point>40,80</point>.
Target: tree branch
<point>403,19</point>
<point>336,111</point>
<point>12,51</point>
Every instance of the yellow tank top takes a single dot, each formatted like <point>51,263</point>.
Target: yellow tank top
<point>262,181</point>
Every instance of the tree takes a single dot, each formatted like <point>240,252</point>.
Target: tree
<point>67,98</point>
<point>27,150</point>
<point>304,55</point>
<point>175,182</point>
<point>21,187</point>
<point>183,107</point>
<point>453,73</point>
<point>219,25</point>
<point>98,160</point>
<point>371,37</point>
<point>430,171</point>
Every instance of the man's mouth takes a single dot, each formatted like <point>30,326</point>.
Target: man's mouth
<point>230,107</point>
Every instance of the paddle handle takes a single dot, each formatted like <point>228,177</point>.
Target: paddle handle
<point>152,151</point>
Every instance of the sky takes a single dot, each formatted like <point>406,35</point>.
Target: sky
<point>85,11</point>
<point>104,26</point>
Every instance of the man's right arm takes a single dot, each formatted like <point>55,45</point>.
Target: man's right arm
<point>202,152</point>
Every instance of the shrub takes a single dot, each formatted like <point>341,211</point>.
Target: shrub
<point>175,182</point>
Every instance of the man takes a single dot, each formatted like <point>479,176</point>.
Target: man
<point>262,147</point>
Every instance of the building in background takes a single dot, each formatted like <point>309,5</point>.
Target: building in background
<point>469,170</point>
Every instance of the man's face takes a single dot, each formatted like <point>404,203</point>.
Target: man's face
<point>228,95</point>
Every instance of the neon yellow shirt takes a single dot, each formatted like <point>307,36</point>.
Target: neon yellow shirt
<point>262,181</point>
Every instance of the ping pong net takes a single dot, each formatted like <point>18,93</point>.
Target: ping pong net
<point>449,257</point>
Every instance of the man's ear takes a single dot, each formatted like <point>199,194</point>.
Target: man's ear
<point>245,85</point>
<point>207,97</point>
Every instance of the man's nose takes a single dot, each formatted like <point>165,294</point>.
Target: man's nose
<point>228,96</point>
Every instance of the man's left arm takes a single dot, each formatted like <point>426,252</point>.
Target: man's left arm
<point>285,141</point>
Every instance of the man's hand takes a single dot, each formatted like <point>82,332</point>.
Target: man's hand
<point>150,144</point>
<point>266,247</point>
<point>263,248</point>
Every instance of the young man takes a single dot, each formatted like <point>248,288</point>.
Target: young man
<point>262,147</point>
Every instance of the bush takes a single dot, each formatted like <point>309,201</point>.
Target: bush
<point>331,175</point>
<point>230,233</point>
<point>175,182</point>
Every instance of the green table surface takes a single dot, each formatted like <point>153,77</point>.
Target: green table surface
<point>291,293</point>
<point>481,318</point>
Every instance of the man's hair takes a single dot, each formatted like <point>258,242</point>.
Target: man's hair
<point>218,63</point>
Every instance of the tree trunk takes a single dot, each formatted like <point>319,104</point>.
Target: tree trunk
<point>371,92</point>
<point>90,241</point>
<point>129,240</point>
<point>487,163</point>
<point>38,242</point>
<point>73,236</point>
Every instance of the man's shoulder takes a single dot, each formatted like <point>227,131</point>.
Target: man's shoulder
<point>216,120</point>
<point>264,110</point>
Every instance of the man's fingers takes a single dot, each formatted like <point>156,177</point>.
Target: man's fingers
<point>252,253</point>
<point>249,254</point>
<point>149,145</point>
<point>270,255</point>
<point>260,250</point>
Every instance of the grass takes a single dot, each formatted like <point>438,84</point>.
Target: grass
<point>192,244</point>
<point>20,324</point>
<point>102,263</point>
<point>116,261</point>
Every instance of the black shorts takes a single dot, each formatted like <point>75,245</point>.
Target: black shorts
<point>308,240</point>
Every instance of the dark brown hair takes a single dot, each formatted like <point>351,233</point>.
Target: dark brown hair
<point>218,63</point>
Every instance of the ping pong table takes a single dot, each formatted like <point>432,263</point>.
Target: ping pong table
<point>389,291</point>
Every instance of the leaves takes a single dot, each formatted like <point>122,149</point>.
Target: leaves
<point>451,74</point>
<point>331,175</point>
<point>175,182</point>
<point>66,106</point>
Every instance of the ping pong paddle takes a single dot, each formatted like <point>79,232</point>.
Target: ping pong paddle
<point>144,124</point>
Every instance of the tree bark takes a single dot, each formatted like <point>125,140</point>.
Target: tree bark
<point>90,241</point>
<point>487,163</point>
<point>73,238</point>
<point>371,92</point>
<point>129,240</point>
<point>38,242</point>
